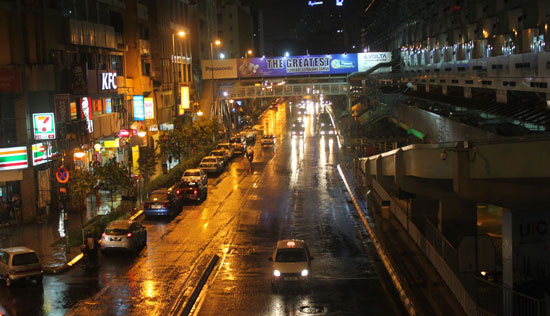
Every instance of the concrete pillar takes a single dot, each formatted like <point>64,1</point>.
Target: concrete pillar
<point>468,92</point>
<point>28,195</point>
<point>444,90</point>
<point>525,248</point>
<point>457,218</point>
<point>502,96</point>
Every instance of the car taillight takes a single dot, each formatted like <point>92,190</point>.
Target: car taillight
<point>178,192</point>
<point>166,204</point>
<point>147,205</point>
<point>129,235</point>
<point>103,235</point>
<point>194,191</point>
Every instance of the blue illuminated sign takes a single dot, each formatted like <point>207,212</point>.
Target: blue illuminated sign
<point>339,3</point>
<point>139,108</point>
<point>314,3</point>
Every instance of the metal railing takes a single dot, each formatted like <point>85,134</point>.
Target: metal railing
<point>286,90</point>
<point>491,299</point>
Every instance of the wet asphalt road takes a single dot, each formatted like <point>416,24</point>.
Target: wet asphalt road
<point>291,190</point>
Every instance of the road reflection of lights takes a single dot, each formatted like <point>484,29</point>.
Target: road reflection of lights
<point>61,228</point>
<point>205,225</point>
<point>149,291</point>
<point>255,185</point>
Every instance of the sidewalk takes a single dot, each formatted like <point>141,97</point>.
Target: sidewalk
<point>40,237</point>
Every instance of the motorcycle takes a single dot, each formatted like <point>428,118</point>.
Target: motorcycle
<point>90,261</point>
<point>250,156</point>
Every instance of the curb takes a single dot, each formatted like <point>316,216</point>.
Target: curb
<point>183,308</point>
<point>407,302</point>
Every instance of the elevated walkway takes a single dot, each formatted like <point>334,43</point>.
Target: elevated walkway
<point>513,174</point>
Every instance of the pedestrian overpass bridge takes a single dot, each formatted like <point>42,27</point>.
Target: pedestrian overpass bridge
<point>283,89</point>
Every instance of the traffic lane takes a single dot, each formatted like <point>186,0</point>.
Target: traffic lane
<point>300,197</point>
<point>157,276</point>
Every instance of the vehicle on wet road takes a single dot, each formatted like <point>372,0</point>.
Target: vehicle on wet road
<point>268,140</point>
<point>299,123</point>
<point>238,142</point>
<point>194,175</point>
<point>291,262</point>
<point>191,191</point>
<point>162,202</point>
<point>211,164</point>
<point>228,149</point>
<point>221,153</point>
<point>123,235</point>
<point>19,264</point>
<point>297,131</point>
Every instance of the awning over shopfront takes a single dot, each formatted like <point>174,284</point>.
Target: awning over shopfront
<point>11,175</point>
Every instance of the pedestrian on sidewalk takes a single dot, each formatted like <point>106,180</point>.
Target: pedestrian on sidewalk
<point>16,203</point>
<point>4,212</point>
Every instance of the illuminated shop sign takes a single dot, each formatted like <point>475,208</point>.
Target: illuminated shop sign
<point>86,112</point>
<point>108,105</point>
<point>339,3</point>
<point>108,81</point>
<point>184,100</point>
<point>314,3</point>
<point>44,126</point>
<point>139,108</point>
<point>13,158</point>
<point>41,152</point>
<point>149,108</point>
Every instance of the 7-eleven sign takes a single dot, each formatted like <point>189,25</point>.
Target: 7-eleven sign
<point>44,126</point>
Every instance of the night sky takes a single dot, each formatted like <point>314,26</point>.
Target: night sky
<point>293,26</point>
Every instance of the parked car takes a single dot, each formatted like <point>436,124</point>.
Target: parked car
<point>291,262</point>
<point>220,153</point>
<point>238,143</point>
<point>194,175</point>
<point>18,264</point>
<point>228,149</point>
<point>124,234</point>
<point>162,202</point>
<point>211,164</point>
<point>268,140</point>
<point>195,191</point>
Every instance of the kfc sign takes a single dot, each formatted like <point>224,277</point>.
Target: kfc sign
<point>108,81</point>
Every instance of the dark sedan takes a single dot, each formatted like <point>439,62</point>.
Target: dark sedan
<point>162,202</point>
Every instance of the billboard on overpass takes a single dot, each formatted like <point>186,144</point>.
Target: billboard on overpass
<point>291,66</point>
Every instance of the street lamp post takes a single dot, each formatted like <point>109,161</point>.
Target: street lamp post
<point>217,43</point>
<point>247,53</point>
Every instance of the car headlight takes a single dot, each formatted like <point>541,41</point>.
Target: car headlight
<point>331,132</point>
<point>277,273</point>
<point>322,132</point>
<point>304,272</point>
<point>322,124</point>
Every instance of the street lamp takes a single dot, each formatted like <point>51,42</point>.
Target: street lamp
<point>212,43</point>
<point>248,53</point>
<point>178,57</point>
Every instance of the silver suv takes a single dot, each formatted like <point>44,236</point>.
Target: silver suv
<point>19,263</point>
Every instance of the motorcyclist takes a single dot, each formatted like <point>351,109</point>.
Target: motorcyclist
<point>250,154</point>
<point>90,249</point>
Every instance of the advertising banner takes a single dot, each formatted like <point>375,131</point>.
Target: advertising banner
<point>41,152</point>
<point>297,65</point>
<point>86,113</point>
<point>79,78</point>
<point>61,107</point>
<point>139,108</point>
<point>366,61</point>
<point>219,69</point>
<point>43,125</point>
<point>149,108</point>
<point>10,81</point>
<point>13,158</point>
<point>184,99</point>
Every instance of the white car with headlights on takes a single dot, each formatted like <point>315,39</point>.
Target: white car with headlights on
<point>291,263</point>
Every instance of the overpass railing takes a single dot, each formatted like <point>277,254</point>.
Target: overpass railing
<point>285,90</point>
